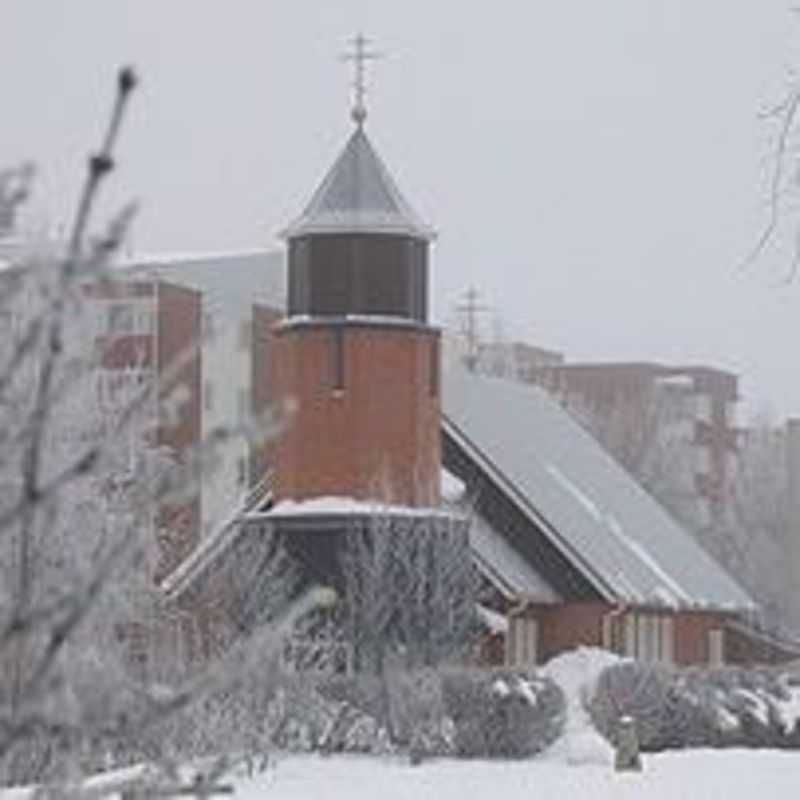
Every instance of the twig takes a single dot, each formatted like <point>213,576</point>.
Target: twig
<point>788,111</point>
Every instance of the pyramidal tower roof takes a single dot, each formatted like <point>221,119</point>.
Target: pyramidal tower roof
<point>359,195</point>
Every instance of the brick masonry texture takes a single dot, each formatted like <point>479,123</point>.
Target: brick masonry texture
<point>364,413</point>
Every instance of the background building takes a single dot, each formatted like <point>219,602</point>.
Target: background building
<point>243,294</point>
<point>673,427</point>
<point>145,335</point>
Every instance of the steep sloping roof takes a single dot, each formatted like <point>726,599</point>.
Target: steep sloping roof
<point>504,567</point>
<point>596,514</point>
<point>358,195</point>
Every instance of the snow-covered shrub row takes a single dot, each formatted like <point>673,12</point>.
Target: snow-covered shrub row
<point>305,717</point>
<point>456,712</point>
<point>368,693</point>
<point>291,713</point>
<point>417,712</point>
<point>231,723</point>
<point>699,707</point>
<point>407,704</point>
<point>502,713</point>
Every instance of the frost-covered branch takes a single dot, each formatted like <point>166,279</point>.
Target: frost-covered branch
<point>84,490</point>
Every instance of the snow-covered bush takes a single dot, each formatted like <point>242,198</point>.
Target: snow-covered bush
<point>365,692</point>
<point>340,716</point>
<point>632,689</point>
<point>724,707</point>
<point>229,722</point>
<point>745,707</point>
<point>469,713</point>
<point>502,713</point>
<point>417,713</point>
<point>407,704</point>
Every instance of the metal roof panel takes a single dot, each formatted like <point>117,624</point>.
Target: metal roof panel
<point>592,508</point>
<point>358,195</point>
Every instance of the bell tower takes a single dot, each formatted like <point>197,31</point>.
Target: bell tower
<point>356,359</point>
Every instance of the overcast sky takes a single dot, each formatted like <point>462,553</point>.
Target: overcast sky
<point>596,168</point>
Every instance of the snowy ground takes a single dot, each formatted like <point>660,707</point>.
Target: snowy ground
<point>576,673</point>
<point>690,775</point>
<point>687,775</point>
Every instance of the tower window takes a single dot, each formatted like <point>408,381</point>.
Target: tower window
<point>337,359</point>
<point>121,318</point>
<point>434,367</point>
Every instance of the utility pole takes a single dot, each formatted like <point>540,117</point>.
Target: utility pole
<point>470,308</point>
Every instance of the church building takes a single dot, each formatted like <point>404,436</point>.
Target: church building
<point>355,374</point>
<point>569,549</point>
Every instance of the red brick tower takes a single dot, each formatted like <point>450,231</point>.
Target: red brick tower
<point>356,358</point>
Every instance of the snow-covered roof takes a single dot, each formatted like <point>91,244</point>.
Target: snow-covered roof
<point>583,501</point>
<point>381,320</point>
<point>504,567</point>
<point>333,506</point>
<point>218,541</point>
<point>359,195</point>
<point>215,547</point>
<point>451,487</point>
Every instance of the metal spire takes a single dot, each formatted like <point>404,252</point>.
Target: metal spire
<point>359,55</point>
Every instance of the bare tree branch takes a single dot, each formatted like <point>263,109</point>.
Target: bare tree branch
<point>786,113</point>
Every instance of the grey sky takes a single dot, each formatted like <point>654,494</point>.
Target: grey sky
<point>595,167</point>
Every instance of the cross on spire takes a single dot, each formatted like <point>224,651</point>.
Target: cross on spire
<point>360,54</point>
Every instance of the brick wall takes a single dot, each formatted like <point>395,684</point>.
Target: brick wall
<point>366,418</point>
<point>692,630</point>
<point>566,626</point>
